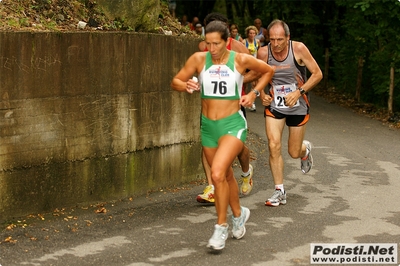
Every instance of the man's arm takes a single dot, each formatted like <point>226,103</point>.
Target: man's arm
<point>202,46</point>
<point>262,54</point>
<point>241,48</point>
<point>265,34</point>
<point>302,53</point>
<point>304,58</point>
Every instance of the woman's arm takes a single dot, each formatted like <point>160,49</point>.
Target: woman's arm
<point>244,62</point>
<point>183,80</point>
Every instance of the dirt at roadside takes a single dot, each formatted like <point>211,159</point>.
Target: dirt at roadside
<point>381,114</point>
<point>45,229</point>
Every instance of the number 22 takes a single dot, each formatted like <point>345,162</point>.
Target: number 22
<point>282,101</point>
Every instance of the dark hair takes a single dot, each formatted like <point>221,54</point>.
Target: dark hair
<point>283,24</point>
<point>215,17</point>
<point>218,26</point>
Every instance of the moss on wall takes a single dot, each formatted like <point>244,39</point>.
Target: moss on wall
<point>137,15</point>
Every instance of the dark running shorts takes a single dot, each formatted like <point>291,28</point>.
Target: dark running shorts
<point>291,120</point>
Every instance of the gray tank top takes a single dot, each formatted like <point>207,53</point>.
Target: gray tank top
<point>288,75</point>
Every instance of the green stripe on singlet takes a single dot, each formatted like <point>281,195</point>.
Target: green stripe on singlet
<point>230,63</point>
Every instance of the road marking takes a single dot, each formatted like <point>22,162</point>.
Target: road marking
<point>83,250</point>
<point>175,254</point>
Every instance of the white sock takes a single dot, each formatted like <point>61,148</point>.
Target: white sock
<point>280,186</point>
<point>246,174</point>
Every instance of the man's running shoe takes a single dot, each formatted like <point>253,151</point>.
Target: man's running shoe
<point>239,228</point>
<point>247,182</point>
<point>217,240</point>
<point>277,198</point>
<point>307,162</point>
<point>207,196</point>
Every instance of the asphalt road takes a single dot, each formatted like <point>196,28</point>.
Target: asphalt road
<point>350,196</point>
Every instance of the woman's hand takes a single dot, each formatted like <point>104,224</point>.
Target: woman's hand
<point>248,99</point>
<point>192,85</point>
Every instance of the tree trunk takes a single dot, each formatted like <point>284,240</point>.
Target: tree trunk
<point>391,89</point>
<point>359,78</point>
<point>326,71</point>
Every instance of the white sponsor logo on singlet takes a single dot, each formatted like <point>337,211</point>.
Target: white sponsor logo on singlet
<point>280,91</point>
<point>217,81</point>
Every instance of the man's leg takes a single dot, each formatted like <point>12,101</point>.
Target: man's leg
<point>274,129</point>
<point>207,168</point>
<point>208,193</point>
<point>296,148</point>
<point>244,159</point>
<point>247,171</point>
<point>300,148</point>
<point>244,155</point>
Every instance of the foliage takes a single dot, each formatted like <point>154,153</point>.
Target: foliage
<point>57,15</point>
<point>354,30</point>
<point>369,31</point>
<point>351,30</point>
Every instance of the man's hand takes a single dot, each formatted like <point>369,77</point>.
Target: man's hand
<point>266,99</point>
<point>292,98</point>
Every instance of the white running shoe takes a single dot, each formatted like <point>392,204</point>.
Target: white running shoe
<point>277,198</point>
<point>253,107</point>
<point>307,163</point>
<point>239,223</point>
<point>217,240</point>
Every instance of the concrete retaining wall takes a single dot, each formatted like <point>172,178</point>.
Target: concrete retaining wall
<point>91,116</point>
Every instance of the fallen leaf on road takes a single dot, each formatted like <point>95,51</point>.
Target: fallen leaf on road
<point>10,240</point>
<point>11,226</point>
<point>101,210</point>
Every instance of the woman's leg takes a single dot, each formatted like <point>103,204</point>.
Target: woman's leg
<point>226,188</point>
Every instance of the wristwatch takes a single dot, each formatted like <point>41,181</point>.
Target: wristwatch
<point>302,91</point>
<point>256,92</point>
